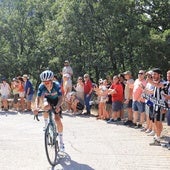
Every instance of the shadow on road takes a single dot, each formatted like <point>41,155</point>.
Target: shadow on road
<point>65,163</point>
<point>8,113</point>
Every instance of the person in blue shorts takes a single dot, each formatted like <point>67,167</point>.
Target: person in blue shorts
<point>50,92</point>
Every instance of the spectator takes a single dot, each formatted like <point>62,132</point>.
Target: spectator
<point>138,104</point>
<point>149,108</point>
<point>158,112</point>
<point>88,88</point>
<point>102,93</point>
<point>15,92</point>
<point>128,96</point>
<point>67,88</point>
<point>21,93</point>
<point>79,88</point>
<point>122,82</point>
<point>76,106</point>
<point>167,98</point>
<point>67,69</point>
<point>116,90</point>
<point>29,91</point>
<point>109,101</point>
<point>5,93</point>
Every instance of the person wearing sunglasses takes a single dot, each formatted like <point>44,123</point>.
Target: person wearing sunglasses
<point>138,104</point>
<point>50,92</point>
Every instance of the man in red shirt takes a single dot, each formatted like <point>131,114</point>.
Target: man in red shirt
<point>116,90</point>
<point>88,88</point>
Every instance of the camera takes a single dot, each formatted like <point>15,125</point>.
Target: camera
<point>165,88</point>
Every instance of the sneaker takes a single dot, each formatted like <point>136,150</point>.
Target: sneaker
<point>165,145</point>
<point>139,126</point>
<point>128,122</point>
<point>86,113</point>
<point>110,120</point>
<point>62,148</point>
<point>132,125</point>
<point>155,143</point>
<point>148,131</point>
<point>143,129</point>
<point>152,133</point>
<point>118,119</point>
<point>168,147</point>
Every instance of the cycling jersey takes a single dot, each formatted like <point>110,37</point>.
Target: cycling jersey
<point>43,91</point>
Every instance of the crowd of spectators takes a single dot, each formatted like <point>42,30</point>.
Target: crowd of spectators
<point>146,100</point>
<point>141,103</point>
<point>18,93</point>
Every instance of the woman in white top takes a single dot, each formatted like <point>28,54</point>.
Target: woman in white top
<point>5,92</point>
<point>79,88</point>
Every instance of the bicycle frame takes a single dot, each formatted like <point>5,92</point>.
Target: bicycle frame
<point>50,137</point>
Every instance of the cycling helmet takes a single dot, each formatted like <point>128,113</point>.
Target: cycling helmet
<point>46,75</point>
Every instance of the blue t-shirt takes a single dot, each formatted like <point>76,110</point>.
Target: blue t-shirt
<point>28,84</point>
<point>43,91</point>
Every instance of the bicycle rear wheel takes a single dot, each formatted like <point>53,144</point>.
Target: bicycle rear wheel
<point>51,145</point>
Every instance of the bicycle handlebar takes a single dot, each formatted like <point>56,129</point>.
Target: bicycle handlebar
<point>42,111</point>
<point>36,117</point>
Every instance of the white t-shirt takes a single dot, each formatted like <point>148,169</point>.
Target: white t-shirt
<point>127,88</point>
<point>5,89</point>
<point>67,70</point>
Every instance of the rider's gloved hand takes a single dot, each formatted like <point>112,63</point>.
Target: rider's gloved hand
<point>35,111</point>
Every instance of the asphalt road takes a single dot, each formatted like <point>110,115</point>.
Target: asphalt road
<point>90,145</point>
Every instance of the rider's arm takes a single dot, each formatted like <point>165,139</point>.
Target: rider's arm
<point>60,99</point>
<point>37,102</point>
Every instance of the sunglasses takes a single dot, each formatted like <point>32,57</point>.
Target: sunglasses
<point>47,82</point>
<point>141,73</point>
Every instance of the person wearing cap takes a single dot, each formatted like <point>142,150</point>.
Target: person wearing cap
<point>128,96</point>
<point>29,91</point>
<point>138,104</point>
<point>67,88</point>
<point>5,92</point>
<point>158,112</point>
<point>67,69</point>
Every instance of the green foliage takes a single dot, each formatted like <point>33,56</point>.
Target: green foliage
<point>99,37</point>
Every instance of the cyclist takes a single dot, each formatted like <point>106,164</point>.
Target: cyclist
<point>50,92</point>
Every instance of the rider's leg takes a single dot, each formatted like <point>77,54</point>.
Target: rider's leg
<point>47,107</point>
<point>60,131</point>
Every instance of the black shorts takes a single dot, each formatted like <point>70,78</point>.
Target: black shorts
<point>16,97</point>
<point>157,116</point>
<point>54,102</point>
<point>129,105</point>
<point>151,113</point>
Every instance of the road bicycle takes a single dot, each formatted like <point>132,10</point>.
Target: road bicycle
<point>51,137</point>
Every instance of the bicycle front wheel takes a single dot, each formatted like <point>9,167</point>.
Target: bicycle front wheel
<point>51,144</point>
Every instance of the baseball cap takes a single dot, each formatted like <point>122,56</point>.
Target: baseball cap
<point>127,72</point>
<point>25,76</point>
<point>157,70</point>
<point>66,61</point>
<point>66,75</point>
